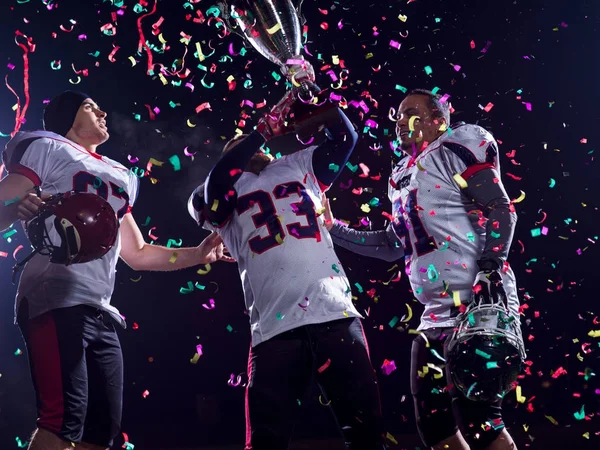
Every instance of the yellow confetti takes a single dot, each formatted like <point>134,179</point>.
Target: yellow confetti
<point>77,82</point>
<point>456,298</point>
<point>163,79</point>
<point>201,56</point>
<point>422,335</point>
<point>443,127</point>
<point>439,373</point>
<point>411,122</point>
<point>520,397</point>
<point>195,358</point>
<point>321,401</point>
<point>460,181</point>
<point>190,124</point>
<point>215,205</point>
<point>346,314</point>
<point>420,167</point>
<point>274,29</point>
<point>409,314</point>
<point>520,199</point>
<point>425,371</point>
<point>391,438</point>
<point>402,17</point>
<point>15,106</point>
<point>525,427</point>
<point>155,162</point>
<point>230,78</point>
<point>594,333</point>
<point>278,239</point>
<point>173,258</point>
<point>551,419</point>
<point>205,270</point>
<point>335,59</point>
<point>162,39</point>
<point>133,61</point>
<point>579,357</point>
<point>586,435</point>
<point>365,208</point>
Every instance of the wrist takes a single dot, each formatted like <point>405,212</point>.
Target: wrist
<point>488,264</point>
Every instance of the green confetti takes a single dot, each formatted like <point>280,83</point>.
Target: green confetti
<point>9,234</point>
<point>18,352</point>
<point>173,242</point>
<point>435,91</point>
<point>20,443</point>
<point>580,415</point>
<point>471,237</point>
<point>495,235</point>
<point>145,224</point>
<point>176,162</point>
<point>482,353</point>
<point>374,201</point>
<point>394,321</point>
<point>552,183</point>
<point>334,267</point>
<point>351,167</point>
<point>491,365</point>
<point>229,328</point>
<point>276,76</point>
<point>438,20</point>
<point>334,167</point>
<point>187,290</point>
<point>418,290</point>
<point>359,287</point>
<point>471,319</point>
<point>401,88</point>
<point>535,232</point>
<point>279,316</point>
<point>432,273</point>
<point>10,202</point>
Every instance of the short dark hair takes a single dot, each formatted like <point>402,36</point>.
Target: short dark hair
<point>437,107</point>
<point>232,141</point>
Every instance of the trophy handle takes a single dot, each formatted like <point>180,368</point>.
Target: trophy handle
<point>301,18</point>
<point>226,15</point>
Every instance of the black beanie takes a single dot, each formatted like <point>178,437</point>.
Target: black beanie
<point>60,113</point>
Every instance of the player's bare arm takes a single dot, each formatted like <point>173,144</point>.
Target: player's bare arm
<point>140,255</point>
<point>18,200</point>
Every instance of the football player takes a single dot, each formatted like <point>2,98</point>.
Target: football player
<point>64,311</point>
<point>453,222</point>
<point>304,327</point>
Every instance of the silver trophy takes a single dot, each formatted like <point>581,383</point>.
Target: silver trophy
<point>273,28</point>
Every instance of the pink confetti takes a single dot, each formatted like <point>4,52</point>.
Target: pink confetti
<point>527,105</point>
<point>203,106</point>
<point>395,44</point>
<point>212,304</point>
<point>324,366</point>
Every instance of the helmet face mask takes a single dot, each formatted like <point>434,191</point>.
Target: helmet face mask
<point>86,224</point>
<point>485,352</point>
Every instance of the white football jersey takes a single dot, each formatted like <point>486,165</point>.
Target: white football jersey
<point>290,273</point>
<point>441,230</point>
<point>57,165</point>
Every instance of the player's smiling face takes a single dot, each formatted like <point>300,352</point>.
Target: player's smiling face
<point>417,125</point>
<point>89,127</point>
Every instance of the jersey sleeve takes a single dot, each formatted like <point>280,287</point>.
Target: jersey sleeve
<point>469,150</point>
<point>134,190</point>
<point>33,158</point>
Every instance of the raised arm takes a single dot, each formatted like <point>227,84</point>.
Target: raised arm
<point>219,194</point>
<point>330,157</point>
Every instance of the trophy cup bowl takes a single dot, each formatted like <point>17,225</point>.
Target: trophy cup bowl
<point>273,28</point>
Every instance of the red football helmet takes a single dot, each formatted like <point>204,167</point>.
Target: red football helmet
<point>86,223</point>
